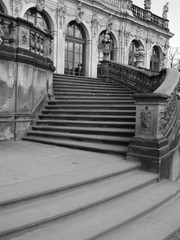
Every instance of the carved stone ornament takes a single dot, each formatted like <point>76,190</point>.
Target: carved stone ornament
<point>147,5</point>
<point>18,5</point>
<point>140,54</point>
<point>40,4</point>
<point>80,13</point>
<point>61,13</point>
<point>146,124</point>
<point>129,4</point>
<point>94,23</point>
<point>109,23</point>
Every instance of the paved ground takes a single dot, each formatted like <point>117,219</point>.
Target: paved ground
<point>21,160</point>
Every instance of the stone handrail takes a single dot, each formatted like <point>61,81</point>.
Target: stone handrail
<point>19,33</point>
<point>137,79</point>
<point>157,136</point>
<point>148,16</point>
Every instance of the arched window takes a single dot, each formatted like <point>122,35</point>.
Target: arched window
<point>75,49</point>
<point>37,18</point>
<point>132,52</point>
<point>100,48</point>
<point>155,59</point>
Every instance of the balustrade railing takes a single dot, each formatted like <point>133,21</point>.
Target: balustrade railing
<point>19,33</point>
<point>157,138</point>
<point>148,16</point>
<point>135,78</point>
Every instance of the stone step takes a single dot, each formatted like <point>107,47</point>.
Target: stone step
<point>89,90</point>
<point>88,130</point>
<point>62,82</point>
<point>109,112</point>
<point>38,187</point>
<point>82,145</point>
<point>100,220</point>
<point>91,102</point>
<point>91,118</point>
<point>160,224</point>
<point>89,94</point>
<point>116,140</point>
<point>93,97</point>
<point>60,205</point>
<point>90,106</point>
<point>86,123</point>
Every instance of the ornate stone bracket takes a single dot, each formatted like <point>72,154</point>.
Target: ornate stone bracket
<point>40,4</point>
<point>80,13</point>
<point>95,23</point>
<point>61,13</point>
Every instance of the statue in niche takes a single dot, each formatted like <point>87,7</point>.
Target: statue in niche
<point>165,10</point>
<point>147,4</point>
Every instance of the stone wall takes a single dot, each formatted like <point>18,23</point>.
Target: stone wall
<point>23,88</point>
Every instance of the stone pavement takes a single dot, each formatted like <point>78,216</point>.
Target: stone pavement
<point>22,160</point>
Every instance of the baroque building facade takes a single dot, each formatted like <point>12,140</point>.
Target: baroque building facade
<point>138,37</point>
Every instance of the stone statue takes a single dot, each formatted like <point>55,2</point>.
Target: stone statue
<point>165,10</point>
<point>147,4</point>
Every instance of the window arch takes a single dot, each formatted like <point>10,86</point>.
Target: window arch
<point>75,49</point>
<point>155,59</point>
<point>132,52</point>
<point>37,18</point>
<point>100,48</point>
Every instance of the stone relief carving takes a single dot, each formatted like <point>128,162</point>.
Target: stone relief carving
<point>94,23</point>
<point>127,37</point>
<point>16,7</point>
<point>146,124</point>
<point>167,115</point>
<point>61,13</point>
<point>40,4</point>
<point>109,23</point>
<point>80,13</point>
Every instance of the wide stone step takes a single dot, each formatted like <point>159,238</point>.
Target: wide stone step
<point>86,123</point>
<point>160,224</point>
<point>88,130</point>
<point>102,219</point>
<point>62,82</point>
<point>88,90</point>
<point>93,118</point>
<point>80,102</point>
<point>129,106</point>
<point>87,146</point>
<point>89,94</point>
<point>38,187</point>
<point>110,112</point>
<point>93,97</point>
<point>62,204</point>
<point>82,137</point>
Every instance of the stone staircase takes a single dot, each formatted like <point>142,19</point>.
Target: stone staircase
<point>111,201</point>
<point>87,114</point>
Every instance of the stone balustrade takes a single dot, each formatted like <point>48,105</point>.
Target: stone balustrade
<point>19,33</point>
<point>137,79</point>
<point>156,143</point>
<point>149,16</point>
<point>26,74</point>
